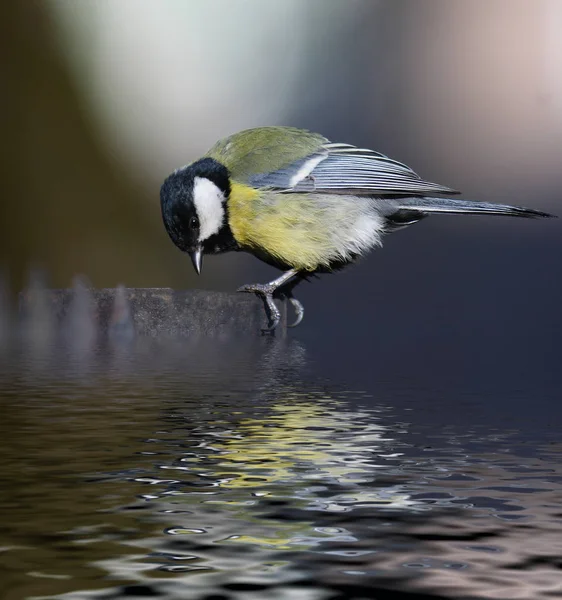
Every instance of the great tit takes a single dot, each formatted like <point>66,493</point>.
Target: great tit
<point>300,203</point>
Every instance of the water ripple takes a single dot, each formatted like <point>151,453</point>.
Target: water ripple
<point>193,472</point>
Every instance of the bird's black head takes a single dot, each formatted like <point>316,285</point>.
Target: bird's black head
<point>194,209</point>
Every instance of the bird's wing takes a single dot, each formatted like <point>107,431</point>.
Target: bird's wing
<point>346,169</point>
<point>251,153</point>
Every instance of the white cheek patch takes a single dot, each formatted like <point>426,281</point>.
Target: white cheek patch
<point>209,204</point>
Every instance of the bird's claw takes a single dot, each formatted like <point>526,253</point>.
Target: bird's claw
<point>299,310</point>
<point>265,291</point>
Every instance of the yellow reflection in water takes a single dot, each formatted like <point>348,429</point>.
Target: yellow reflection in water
<point>306,441</point>
<point>313,455</point>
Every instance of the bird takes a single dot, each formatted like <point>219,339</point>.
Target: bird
<point>300,203</point>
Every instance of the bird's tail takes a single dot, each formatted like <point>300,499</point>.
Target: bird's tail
<point>449,205</point>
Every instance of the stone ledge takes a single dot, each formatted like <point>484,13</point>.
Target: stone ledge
<point>141,311</point>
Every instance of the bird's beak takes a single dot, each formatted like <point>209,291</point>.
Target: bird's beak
<point>197,259</point>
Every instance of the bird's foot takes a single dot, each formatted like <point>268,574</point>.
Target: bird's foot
<point>265,292</point>
<point>299,310</point>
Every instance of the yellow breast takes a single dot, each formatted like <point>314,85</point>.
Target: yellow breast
<point>303,231</point>
<point>281,226</point>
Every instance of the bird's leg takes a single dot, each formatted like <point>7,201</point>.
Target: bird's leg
<point>266,291</point>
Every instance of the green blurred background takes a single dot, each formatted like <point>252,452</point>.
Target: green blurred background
<point>101,100</point>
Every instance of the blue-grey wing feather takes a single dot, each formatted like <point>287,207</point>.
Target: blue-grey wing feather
<point>282,178</point>
<point>345,169</point>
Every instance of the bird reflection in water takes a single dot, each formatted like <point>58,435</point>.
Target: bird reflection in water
<point>309,453</point>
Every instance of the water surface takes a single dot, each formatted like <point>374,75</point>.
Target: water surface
<point>243,469</point>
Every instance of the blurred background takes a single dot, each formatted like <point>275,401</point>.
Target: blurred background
<point>103,99</point>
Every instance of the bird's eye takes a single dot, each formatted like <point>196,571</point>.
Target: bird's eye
<point>194,222</point>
